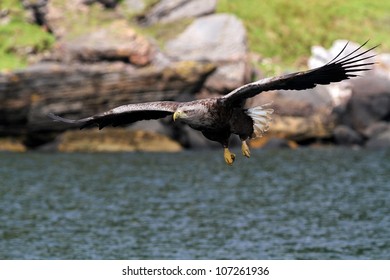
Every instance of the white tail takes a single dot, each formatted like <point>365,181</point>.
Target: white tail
<point>261,117</point>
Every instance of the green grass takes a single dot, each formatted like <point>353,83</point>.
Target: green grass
<point>18,38</point>
<point>282,30</point>
<point>285,30</point>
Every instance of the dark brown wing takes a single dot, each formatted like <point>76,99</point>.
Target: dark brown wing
<point>336,70</point>
<point>125,114</point>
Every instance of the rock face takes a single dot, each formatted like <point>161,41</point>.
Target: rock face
<point>79,90</point>
<point>219,38</point>
<point>172,10</point>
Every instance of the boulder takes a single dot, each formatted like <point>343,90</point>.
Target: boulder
<point>172,10</point>
<point>10,144</point>
<point>369,103</point>
<point>115,140</point>
<point>301,129</point>
<point>116,42</point>
<point>221,39</point>
<point>299,115</point>
<point>375,129</point>
<point>218,37</point>
<point>301,103</point>
<point>346,136</point>
<point>380,140</point>
<point>383,64</point>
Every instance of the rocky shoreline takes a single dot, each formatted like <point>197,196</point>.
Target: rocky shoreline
<point>113,64</point>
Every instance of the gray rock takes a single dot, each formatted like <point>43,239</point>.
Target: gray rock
<point>369,103</point>
<point>219,38</point>
<point>303,103</point>
<point>227,77</point>
<point>117,42</point>
<point>171,10</point>
<point>344,135</point>
<point>382,140</point>
<point>299,115</point>
<point>376,128</point>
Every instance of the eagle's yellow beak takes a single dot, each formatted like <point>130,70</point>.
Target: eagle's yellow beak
<point>178,115</point>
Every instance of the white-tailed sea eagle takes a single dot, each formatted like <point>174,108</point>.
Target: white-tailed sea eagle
<point>218,118</point>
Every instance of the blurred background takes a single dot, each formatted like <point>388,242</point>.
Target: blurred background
<point>77,58</point>
<point>316,186</point>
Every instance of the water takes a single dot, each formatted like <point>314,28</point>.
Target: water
<point>281,204</point>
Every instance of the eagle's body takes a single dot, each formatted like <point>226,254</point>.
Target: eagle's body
<point>218,118</point>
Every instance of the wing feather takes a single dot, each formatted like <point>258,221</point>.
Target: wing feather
<point>336,70</point>
<point>125,114</point>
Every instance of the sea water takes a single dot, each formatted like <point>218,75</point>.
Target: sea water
<point>310,203</point>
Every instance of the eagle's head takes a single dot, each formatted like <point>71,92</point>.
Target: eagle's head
<point>190,113</point>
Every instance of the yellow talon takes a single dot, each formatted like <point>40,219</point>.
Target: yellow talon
<point>229,157</point>
<point>245,149</point>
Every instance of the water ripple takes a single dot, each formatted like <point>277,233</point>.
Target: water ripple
<point>281,204</point>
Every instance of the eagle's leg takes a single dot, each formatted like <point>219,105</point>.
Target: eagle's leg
<point>229,156</point>
<point>245,149</point>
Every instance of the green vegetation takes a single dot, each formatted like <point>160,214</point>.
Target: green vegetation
<point>282,30</point>
<point>78,22</point>
<point>18,38</point>
<point>285,30</point>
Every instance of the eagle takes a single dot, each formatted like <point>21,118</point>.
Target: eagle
<point>217,118</point>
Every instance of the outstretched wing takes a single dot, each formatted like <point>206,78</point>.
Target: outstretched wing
<point>125,114</point>
<point>336,70</point>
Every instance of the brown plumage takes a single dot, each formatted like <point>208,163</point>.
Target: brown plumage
<point>218,118</point>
